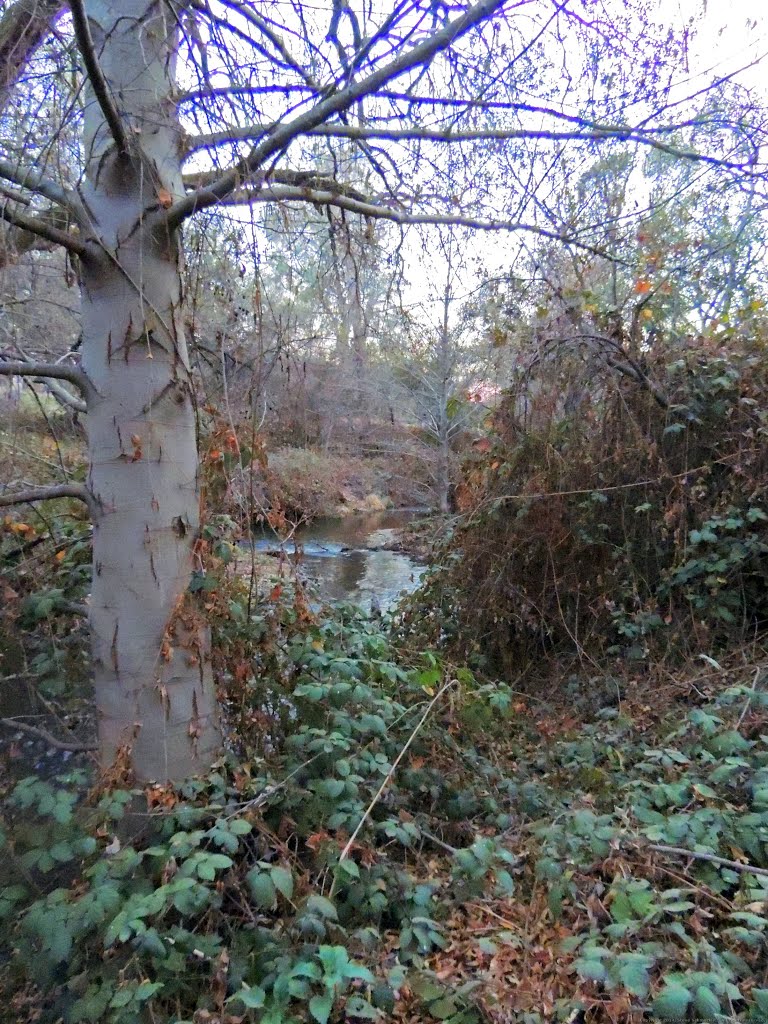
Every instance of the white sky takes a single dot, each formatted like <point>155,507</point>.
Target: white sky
<point>729,35</point>
<point>726,36</point>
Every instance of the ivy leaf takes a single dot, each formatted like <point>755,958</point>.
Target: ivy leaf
<point>357,1007</point>
<point>322,907</point>
<point>590,970</point>
<point>634,977</point>
<point>240,827</point>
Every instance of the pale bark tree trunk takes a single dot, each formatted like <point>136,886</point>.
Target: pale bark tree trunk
<point>153,682</point>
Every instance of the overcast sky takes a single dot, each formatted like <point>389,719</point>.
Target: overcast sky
<point>729,35</point>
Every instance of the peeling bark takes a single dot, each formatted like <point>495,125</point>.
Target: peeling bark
<point>153,682</point>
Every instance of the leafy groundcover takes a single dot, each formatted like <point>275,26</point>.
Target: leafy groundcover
<point>407,844</point>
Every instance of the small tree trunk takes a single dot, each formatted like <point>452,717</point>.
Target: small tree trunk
<point>444,473</point>
<point>153,682</point>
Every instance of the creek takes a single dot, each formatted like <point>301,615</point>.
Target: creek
<point>353,559</point>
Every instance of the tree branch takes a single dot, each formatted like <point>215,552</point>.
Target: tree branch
<point>38,226</point>
<point>62,395</point>
<point>79,491</point>
<point>337,131</point>
<point>96,75</point>
<point>57,371</point>
<point>43,734</point>
<point>284,134</point>
<point>28,177</point>
<point>23,27</point>
<point>317,197</point>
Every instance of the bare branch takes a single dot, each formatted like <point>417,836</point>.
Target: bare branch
<point>284,134</point>
<point>317,197</point>
<point>23,27</point>
<point>41,228</point>
<point>57,371</point>
<point>43,734</point>
<point>79,491</point>
<point>28,177</point>
<point>62,395</point>
<point>416,134</point>
<point>15,195</point>
<point>275,176</point>
<point>96,75</point>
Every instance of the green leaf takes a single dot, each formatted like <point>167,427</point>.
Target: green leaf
<point>443,1008</point>
<point>322,907</point>
<point>146,990</point>
<point>333,787</point>
<point>262,888</point>
<point>672,1002</point>
<point>706,1002</point>
<point>240,827</point>
<point>349,868</point>
<point>252,998</point>
<point>590,970</point>
<point>282,880</point>
<point>634,976</point>
<point>358,1008</point>
<point>9,897</point>
<point>320,1007</point>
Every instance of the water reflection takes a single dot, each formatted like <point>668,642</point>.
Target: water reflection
<point>347,559</point>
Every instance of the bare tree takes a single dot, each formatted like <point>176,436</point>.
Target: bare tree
<point>231,90</point>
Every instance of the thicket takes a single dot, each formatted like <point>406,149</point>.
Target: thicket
<point>392,840</point>
<point>609,513</point>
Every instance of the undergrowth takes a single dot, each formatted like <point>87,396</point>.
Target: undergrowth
<point>393,840</point>
<point>633,527</point>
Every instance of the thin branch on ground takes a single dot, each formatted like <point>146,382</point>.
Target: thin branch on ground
<point>393,768</point>
<point>43,734</point>
<point>735,865</point>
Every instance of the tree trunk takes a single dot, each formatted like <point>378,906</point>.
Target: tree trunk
<point>153,682</point>
<point>443,485</point>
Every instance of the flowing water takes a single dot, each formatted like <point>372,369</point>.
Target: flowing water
<point>351,559</point>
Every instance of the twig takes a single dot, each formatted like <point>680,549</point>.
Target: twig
<point>751,694</point>
<point>388,778</point>
<point>38,226</point>
<point>438,842</point>
<point>43,734</point>
<point>736,865</point>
